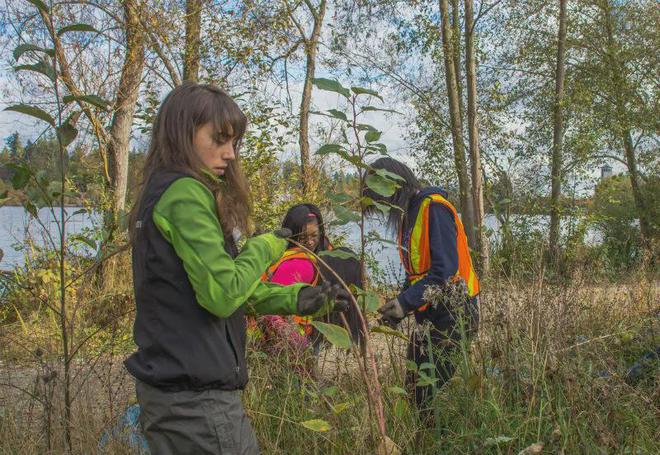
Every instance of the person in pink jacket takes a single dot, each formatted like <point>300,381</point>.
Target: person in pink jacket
<point>296,266</point>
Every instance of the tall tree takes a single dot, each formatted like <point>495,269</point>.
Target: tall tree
<point>193,33</point>
<point>617,72</point>
<point>557,136</point>
<point>456,45</point>
<point>310,44</point>
<point>455,120</point>
<point>124,109</point>
<point>473,134</point>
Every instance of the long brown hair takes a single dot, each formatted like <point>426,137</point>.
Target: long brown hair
<point>185,109</point>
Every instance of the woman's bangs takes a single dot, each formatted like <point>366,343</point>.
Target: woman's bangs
<point>228,119</point>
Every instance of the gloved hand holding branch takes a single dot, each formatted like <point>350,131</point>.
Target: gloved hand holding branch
<point>320,300</point>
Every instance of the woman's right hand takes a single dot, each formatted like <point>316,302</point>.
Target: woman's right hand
<point>320,300</point>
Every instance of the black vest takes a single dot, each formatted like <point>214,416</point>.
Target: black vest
<point>181,346</point>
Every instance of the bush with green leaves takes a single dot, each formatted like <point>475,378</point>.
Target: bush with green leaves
<point>615,216</point>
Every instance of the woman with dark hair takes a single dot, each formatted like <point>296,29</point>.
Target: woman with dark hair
<point>191,283</point>
<point>296,265</point>
<point>300,266</point>
<point>441,285</point>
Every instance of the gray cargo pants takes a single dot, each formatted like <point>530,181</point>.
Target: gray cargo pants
<point>189,422</point>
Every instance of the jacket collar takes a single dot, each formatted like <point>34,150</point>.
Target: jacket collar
<point>429,191</point>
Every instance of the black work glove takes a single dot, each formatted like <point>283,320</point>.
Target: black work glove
<point>392,313</point>
<point>320,300</point>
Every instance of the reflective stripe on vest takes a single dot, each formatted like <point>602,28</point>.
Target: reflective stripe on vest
<point>418,261</point>
<point>305,322</point>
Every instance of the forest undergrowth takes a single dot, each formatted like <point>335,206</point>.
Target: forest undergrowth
<point>553,369</point>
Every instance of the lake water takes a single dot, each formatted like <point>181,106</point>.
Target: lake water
<point>16,225</point>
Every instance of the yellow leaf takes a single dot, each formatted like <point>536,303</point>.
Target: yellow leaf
<point>387,447</point>
<point>534,449</point>
<point>318,425</point>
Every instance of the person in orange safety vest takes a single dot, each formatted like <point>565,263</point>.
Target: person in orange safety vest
<point>441,285</point>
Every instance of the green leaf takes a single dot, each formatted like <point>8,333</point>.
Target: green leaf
<point>371,301</point>
<point>31,208</point>
<point>86,240</point>
<point>400,408</point>
<point>410,365</point>
<point>32,111</point>
<point>390,175</point>
<point>365,127</point>
<point>76,28</point>
<point>41,67</point>
<point>3,198</point>
<point>339,198</point>
<point>335,114</point>
<point>353,159</point>
<point>385,330</point>
<point>332,86</point>
<point>427,366</point>
<point>318,425</point>
<point>20,178</point>
<point>91,99</point>
<point>66,133</point>
<point>366,91</point>
<point>338,114</point>
<point>341,407</point>
<point>372,136</point>
<point>396,390</point>
<point>344,215</point>
<point>374,108</point>
<point>23,48</point>
<point>336,335</point>
<point>39,4</point>
<point>329,148</point>
<point>378,147</point>
<point>425,380</point>
<point>339,254</point>
<point>385,209</point>
<point>381,185</point>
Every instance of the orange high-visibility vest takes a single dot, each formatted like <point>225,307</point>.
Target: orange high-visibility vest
<point>305,322</point>
<point>418,260</point>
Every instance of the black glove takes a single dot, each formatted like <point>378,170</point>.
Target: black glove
<point>392,313</point>
<point>313,300</point>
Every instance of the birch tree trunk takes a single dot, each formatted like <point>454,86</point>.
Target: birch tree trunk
<point>455,121</point>
<point>456,44</point>
<point>473,133</point>
<point>311,49</point>
<point>124,109</point>
<point>558,132</point>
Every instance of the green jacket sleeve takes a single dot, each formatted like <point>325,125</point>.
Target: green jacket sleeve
<point>272,298</point>
<point>185,215</point>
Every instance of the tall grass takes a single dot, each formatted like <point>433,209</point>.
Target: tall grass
<point>547,373</point>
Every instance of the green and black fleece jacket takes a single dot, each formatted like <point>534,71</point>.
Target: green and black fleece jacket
<point>186,216</point>
<point>192,290</point>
